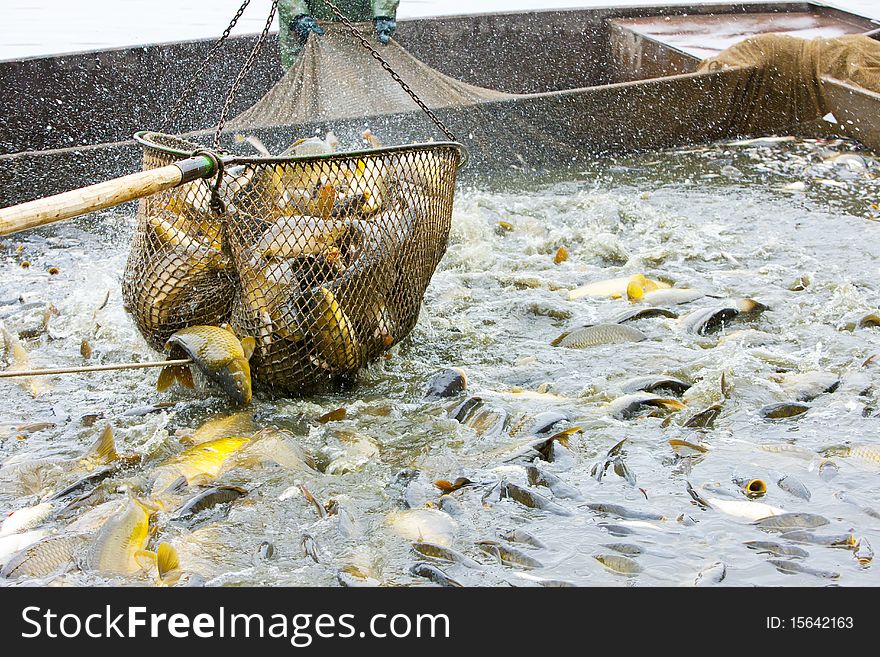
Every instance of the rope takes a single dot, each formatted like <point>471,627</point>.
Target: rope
<point>233,90</point>
<point>385,65</point>
<point>96,368</point>
<point>187,91</point>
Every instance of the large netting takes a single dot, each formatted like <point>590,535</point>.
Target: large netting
<point>787,85</point>
<point>324,260</point>
<point>336,78</point>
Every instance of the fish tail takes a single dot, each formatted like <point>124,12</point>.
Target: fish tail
<point>179,373</point>
<point>167,562</point>
<point>104,449</point>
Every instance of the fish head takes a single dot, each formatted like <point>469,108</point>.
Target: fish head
<point>220,355</point>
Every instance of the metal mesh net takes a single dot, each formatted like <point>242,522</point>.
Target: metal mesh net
<point>324,260</point>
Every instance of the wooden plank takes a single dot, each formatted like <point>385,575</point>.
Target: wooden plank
<point>856,110</point>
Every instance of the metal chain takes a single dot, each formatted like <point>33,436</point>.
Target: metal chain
<point>385,65</point>
<point>233,90</point>
<point>172,113</point>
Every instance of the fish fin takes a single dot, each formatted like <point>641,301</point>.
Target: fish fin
<point>634,291</point>
<point>145,559</point>
<point>699,499</point>
<point>562,337</point>
<point>248,344</point>
<point>563,436</point>
<point>166,378</point>
<point>176,486</point>
<point>670,403</point>
<point>185,377</point>
<point>103,450</point>
<point>167,560</point>
<point>725,386</point>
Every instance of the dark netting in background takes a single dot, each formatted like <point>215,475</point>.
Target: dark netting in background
<point>324,260</point>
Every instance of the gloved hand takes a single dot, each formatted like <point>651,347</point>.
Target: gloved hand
<point>384,28</point>
<point>302,25</point>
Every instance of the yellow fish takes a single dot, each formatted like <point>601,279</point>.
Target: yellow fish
<point>121,541</point>
<point>617,288</point>
<point>335,338</point>
<point>218,353</point>
<point>199,463</point>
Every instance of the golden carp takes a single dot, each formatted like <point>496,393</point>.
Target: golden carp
<point>333,332</point>
<point>122,540</point>
<point>199,463</point>
<point>221,426</point>
<point>218,353</point>
<point>615,288</point>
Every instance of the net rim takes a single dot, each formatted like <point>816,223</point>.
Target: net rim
<point>142,137</point>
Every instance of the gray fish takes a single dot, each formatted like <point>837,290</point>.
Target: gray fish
<point>540,424</point>
<point>828,540</point>
<point>600,334</point>
<point>446,383</point>
<point>509,556</point>
<point>619,564</point>
<point>434,574</point>
<point>711,575</point>
<point>797,568</point>
<point>635,313</point>
<point>559,488</point>
<point>623,512</point>
<point>531,499</point>
<point>46,556</point>
<point>777,549</point>
<point>617,530</point>
<point>88,481</point>
<point>806,386</point>
<point>705,418</point>
<point>310,547</point>
<point>655,384</point>
<point>443,553</point>
<point>522,536</point>
<point>626,407</point>
<point>209,498</point>
<point>783,410</point>
<point>628,549</point>
<point>266,550</point>
<point>787,521</point>
<point>708,320</point>
<point>462,410</point>
<point>794,486</point>
<point>843,496</point>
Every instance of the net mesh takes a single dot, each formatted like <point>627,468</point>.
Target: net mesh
<point>324,260</point>
<point>335,78</point>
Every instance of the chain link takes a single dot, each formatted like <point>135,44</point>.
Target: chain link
<point>187,92</point>
<point>385,65</point>
<point>233,90</point>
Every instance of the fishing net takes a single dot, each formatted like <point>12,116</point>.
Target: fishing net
<point>336,78</point>
<point>787,88</point>
<point>323,259</point>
